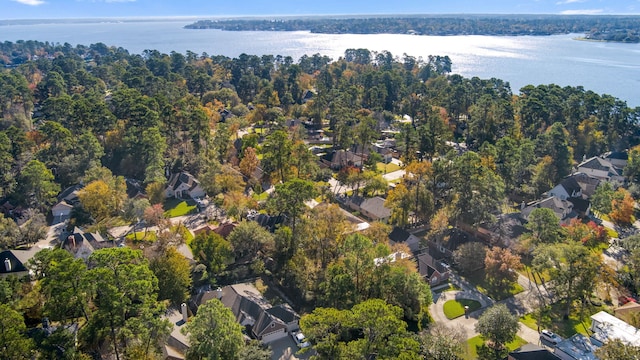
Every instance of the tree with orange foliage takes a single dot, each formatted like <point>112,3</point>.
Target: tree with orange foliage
<point>501,266</point>
<point>589,234</point>
<point>622,207</point>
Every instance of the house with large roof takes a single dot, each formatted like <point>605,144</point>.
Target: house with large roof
<point>82,244</point>
<point>372,208</point>
<point>606,327</point>
<point>263,321</point>
<point>563,209</point>
<point>15,262</point>
<point>183,186</point>
<point>601,169</point>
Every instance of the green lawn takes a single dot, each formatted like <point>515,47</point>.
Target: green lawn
<point>455,308</point>
<point>387,168</point>
<point>497,293</point>
<point>552,318</point>
<point>476,341</point>
<point>182,230</point>
<point>150,236</point>
<point>179,207</point>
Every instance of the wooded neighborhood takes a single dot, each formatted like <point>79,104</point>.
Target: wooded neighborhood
<point>375,206</point>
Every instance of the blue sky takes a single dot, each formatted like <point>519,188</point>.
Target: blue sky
<point>38,9</point>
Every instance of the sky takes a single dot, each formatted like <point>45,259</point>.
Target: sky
<point>51,9</point>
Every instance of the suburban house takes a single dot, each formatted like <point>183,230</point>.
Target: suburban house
<point>531,352</point>
<point>264,322</point>
<point>577,347</point>
<point>402,236</point>
<point>601,169</point>
<point>81,244</point>
<point>607,327</point>
<point>15,262</point>
<point>618,159</point>
<point>183,186</point>
<point>504,231</point>
<point>563,209</point>
<point>70,194</point>
<point>371,208</point>
<point>341,158</point>
<point>433,271</point>
<point>444,246</point>
<point>61,211</point>
<point>135,189</point>
<point>223,229</point>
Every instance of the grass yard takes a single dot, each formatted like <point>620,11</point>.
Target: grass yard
<point>179,207</point>
<point>150,236</point>
<point>186,234</point>
<point>455,308</point>
<point>476,341</point>
<point>553,319</point>
<point>478,279</point>
<point>263,196</point>
<point>387,168</point>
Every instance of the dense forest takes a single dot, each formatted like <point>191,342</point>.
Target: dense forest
<point>100,116</point>
<point>620,28</point>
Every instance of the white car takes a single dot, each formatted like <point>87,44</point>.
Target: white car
<point>550,337</point>
<point>300,340</point>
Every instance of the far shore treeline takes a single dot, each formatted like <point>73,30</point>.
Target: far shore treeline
<point>604,28</point>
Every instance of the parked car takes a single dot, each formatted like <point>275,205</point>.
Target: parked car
<point>300,339</point>
<point>550,337</point>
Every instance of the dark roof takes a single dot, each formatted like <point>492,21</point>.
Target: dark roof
<point>269,222</point>
<point>284,313</point>
<point>427,265</point>
<point>68,191</point>
<point>184,177</point>
<point>399,235</point>
<point>570,185</point>
<point>618,155</point>
<point>225,229</point>
<point>580,205</point>
<point>17,260</point>
<point>532,352</point>
<point>134,188</point>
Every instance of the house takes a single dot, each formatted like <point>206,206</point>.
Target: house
<point>371,208</point>
<point>505,231</point>
<point>577,347</point>
<point>135,190</point>
<point>223,229</point>
<point>447,243</point>
<point>531,352</point>
<point>341,158</point>
<point>434,272</point>
<point>81,244</point>
<point>402,236</point>
<point>601,169</point>
<point>576,185</point>
<point>618,159</point>
<point>184,185</point>
<point>629,312</point>
<point>264,322</point>
<point>15,262</point>
<point>61,211</point>
<point>563,209</point>
<point>607,327</point>
<point>70,194</point>
<point>268,222</point>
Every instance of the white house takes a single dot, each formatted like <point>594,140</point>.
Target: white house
<point>601,169</point>
<point>61,211</point>
<point>184,185</point>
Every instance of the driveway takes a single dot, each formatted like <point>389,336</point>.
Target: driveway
<point>519,305</point>
<point>286,349</point>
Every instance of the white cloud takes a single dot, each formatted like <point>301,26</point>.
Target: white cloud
<point>582,12</point>
<point>30,2</point>
<point>564,2</point>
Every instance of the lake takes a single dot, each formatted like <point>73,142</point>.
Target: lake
<point>606,68</point>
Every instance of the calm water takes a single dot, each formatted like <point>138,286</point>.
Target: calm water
<point>608,68</point>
